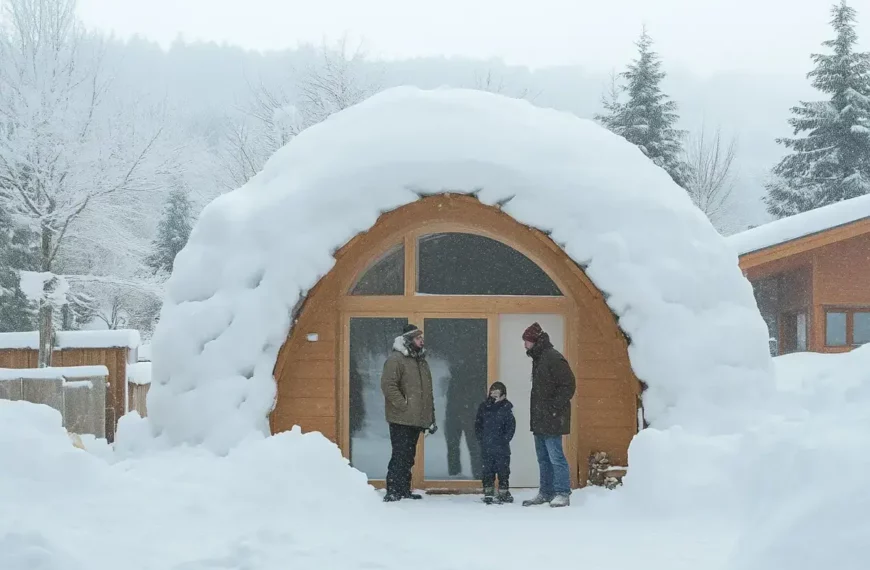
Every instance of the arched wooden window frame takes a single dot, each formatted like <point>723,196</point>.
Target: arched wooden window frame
<point>411,302</point>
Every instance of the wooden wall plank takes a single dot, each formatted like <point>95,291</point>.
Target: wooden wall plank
<point>312,407</point>
<point>310,388</point>
<point>312,369</point>
<point>326,426</point>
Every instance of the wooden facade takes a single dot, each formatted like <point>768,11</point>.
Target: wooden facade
<point>312,369</point>
<point>115,359</point>
<point>814,292</point>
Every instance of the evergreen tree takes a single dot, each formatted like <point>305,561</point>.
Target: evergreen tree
<point>16,311</point>
<point>648,118</point>
<point>172,232</point>
<point>832,162</point>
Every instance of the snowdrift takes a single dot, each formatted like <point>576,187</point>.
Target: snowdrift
<point>65,508</point>
<point>696,336</point>
<point>809,505</point>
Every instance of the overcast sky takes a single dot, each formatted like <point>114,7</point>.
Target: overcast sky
<point>705,36</point>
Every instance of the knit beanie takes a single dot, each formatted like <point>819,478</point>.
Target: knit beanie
<point>410,331</point>
<point>533,333</point>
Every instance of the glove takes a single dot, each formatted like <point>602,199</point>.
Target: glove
<point>431,429</point>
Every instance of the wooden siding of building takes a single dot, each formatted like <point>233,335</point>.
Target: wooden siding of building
<point>312,379</point>
<point>826,270</point>
<point>19,358</point>
<point>115,359</point>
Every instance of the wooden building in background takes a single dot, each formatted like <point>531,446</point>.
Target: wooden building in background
<point>811,277</point>
<point>472,278</point>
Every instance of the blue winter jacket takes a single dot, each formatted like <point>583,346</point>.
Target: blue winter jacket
<point>495,426</point>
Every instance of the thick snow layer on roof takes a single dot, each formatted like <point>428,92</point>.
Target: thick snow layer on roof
<point>139,373</point>
<point>73,339</point>
<point>19,341</point>
<point>800,225</point>
<point>54,373</point>
<point>696,336</point>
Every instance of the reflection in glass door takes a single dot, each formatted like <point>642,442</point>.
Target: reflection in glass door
<point>457,355</point>
<point>371,341</point>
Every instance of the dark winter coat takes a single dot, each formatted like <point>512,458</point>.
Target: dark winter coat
<point>553,387</point>
<point>495,426</point>
<point>407,387</point>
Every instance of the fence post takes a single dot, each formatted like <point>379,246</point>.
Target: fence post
<point>84,406</point>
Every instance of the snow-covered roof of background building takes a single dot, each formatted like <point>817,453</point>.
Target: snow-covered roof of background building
<point>801,225</point>
<point>697,339</point>
<point>73,339</point>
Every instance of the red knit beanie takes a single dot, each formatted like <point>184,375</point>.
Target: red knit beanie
<point>533,333</point>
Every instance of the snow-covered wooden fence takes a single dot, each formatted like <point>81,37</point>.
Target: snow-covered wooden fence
<point>113,349</point>
<point>77,392</point>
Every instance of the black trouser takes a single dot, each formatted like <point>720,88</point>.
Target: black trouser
<point>461,420</point>
<point>403,440</point>
<point>496,465</point>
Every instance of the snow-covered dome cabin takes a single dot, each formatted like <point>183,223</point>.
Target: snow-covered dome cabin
<point>470,215</point>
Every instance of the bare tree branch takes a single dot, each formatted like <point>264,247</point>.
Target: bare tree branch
<point>710,178</point>
<point>338,78</point>
<point>68,152</point>
<point>489,82</point>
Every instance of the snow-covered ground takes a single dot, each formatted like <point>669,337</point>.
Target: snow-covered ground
<point>748,465</point>
<point>291,502</point>
<point>787,493</point>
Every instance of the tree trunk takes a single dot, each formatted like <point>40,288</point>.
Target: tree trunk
<point>46,308</point>
<point>46,332</point>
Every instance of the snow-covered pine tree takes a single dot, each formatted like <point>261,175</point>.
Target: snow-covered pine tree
<point>173,231</point>
<point>832,161</point>
<point>648,118</point>
<point>17,312</point>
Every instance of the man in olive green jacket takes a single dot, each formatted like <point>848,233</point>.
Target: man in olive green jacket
<point>410,408</point>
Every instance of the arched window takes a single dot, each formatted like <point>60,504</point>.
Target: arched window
<point>386,276</point>
<point>457,263</point>
<point>471,264</point>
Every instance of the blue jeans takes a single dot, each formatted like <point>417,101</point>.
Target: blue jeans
<point>555,475</point>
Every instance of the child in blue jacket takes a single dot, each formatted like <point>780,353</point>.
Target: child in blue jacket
<point>495,426</point>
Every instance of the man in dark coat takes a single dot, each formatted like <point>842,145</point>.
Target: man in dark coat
<point>409,408</point>
<point>495,427</point>
<point>553,387</point>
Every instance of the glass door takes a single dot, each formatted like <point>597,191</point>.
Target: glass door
<point>370,343</point>
<point>458,349</point>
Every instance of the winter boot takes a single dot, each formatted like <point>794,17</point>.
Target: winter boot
<point>392,498</point>
<point>560,501</point>
<point>488,495</point>
<point>538,499</point>
<point>413,496</point>
<point>504,497</point>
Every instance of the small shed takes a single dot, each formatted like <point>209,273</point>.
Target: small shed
<point>114,349</point>
<point>811,277</point>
